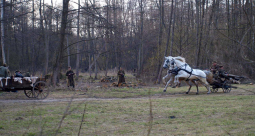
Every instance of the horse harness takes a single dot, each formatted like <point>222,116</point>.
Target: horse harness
<point>176,70</point>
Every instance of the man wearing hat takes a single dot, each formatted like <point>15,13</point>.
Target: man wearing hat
<point>215,67</point>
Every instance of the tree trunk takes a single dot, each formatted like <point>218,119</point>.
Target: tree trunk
<point>68,51</point>
<point>59,58</point>
<point>94,43</point>
<point>197,32</point>
<point>115,34</point>
<point>140,51</point>
<point>78,39</point>
<point>172,40</point>
<point>168,39</point>
<point>161,5</point>
<point>2,30</point>
<point>47,42</point>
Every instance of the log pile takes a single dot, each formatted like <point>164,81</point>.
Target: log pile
<point>115,84</point>
<point>108,79</point>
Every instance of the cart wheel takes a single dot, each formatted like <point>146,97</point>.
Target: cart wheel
<point>41,90</point>
<point>226,88</point>
<point>29,93</point>
<point>214,90</point>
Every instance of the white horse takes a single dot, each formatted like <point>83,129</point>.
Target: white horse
<point>184,71</point>
<point>172,72</point>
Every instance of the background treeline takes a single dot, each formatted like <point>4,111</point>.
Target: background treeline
<point>133,34</point>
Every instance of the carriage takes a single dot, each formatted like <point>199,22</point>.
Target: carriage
<point>34,87</point>
<point>224,82</point>
<point>179,70</point>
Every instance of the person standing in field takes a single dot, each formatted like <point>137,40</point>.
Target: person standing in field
<point>121,76</point>
<point>70,74</point>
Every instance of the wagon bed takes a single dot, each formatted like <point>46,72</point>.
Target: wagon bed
<point>33,87</point>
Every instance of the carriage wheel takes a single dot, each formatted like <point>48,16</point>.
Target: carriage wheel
<point>214,90</point>
<point>41,90</point>
<point>226,88</point>
<point>29,93</point>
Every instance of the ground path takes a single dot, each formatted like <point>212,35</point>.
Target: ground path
<point>239,91</point>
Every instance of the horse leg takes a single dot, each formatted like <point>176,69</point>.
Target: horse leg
<point>206,84</point>
<point>176,81</point>
<point>163,79</point>
<point>179,84</point>
<point>168,82</point>
<point>187,82</point>
<point>195,83</point>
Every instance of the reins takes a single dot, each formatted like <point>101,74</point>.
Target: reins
<point>177,69</point>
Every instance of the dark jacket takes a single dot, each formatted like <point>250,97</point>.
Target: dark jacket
<point>69,74</point>
<point>4,71</point>
<point>121,75</point>
<point>70,81</point>
<point>17,74</point>
<point>215,68</point>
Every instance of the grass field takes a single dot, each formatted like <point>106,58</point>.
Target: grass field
<point>126,111</point>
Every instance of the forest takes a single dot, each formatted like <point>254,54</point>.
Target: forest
<point>93,36</point>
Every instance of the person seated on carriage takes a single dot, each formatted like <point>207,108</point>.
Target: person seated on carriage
<point>215,67</point>
<point>222,73</point>
<point>18,74</point>
<point>225,75</point>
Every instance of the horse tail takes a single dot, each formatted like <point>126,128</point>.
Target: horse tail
<point>209,76</point>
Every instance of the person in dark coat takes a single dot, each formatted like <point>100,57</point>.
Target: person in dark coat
<point>215,67</point>
<point>4,71</point>
<point>121,76</point>
<point>18,74</point>
<point>70,74</point>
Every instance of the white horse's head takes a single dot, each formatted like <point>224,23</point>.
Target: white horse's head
<point>167,63</point>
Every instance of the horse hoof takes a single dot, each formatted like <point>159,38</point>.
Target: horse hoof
<point>173,87</point>
<point>164,91</point>
<point>208,93</point>
<point>187,92</point>
<point>197,94</point>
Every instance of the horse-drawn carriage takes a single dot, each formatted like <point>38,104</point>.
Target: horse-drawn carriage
<point>224,82</point>
<point>179,70</point>
<point>33,87</point>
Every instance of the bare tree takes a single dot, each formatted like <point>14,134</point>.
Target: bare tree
<point>168,39</point>
<point>2,30</point>
<point>59,58</point>
<point>140,49</point>
<point>160,38</point>
<point>78,39</point>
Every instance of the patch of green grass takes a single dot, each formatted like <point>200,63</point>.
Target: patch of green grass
<point>214,114</point>
<point>194,115</point>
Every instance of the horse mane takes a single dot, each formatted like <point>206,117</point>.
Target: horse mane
<point>180,59</point>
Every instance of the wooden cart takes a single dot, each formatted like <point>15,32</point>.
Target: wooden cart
<point>224,83</point>
<point>33,87</point>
